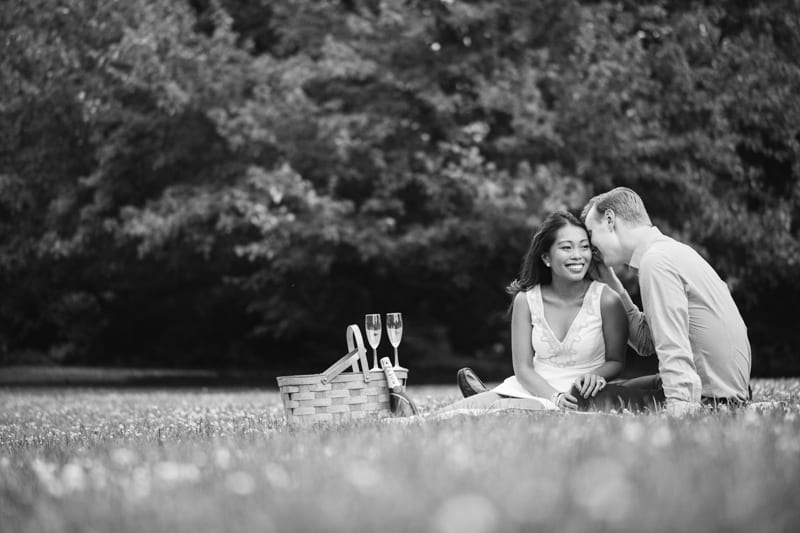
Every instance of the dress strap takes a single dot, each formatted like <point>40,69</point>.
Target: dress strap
<point>535,302</point>
<point>593,296</point>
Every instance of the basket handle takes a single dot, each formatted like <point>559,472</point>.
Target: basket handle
<point>356,352</point>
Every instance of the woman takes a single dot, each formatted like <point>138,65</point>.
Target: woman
<point>568,333</point>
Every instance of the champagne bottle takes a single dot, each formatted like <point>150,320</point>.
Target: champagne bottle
<point>399,402</point>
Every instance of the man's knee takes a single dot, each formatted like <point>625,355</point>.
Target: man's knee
<point>651,382</point>
<point>619,397</point>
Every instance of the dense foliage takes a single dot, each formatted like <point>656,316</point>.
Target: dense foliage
<point>230,183</point>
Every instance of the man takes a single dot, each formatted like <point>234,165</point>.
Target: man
<point>692,321</point>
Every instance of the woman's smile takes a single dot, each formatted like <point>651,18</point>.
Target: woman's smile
<point>570,254</point>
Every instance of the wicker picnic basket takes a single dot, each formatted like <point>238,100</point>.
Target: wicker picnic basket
<point>335,395</point>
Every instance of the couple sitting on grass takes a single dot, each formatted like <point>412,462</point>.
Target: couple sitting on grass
<point>571,319</point>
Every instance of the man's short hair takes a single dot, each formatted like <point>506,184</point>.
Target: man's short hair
<point>624,202</point>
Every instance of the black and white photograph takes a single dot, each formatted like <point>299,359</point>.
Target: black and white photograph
<point>437,266</point>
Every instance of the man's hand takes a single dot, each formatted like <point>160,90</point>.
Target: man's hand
<point>590,384</point>
<point>599,271</point>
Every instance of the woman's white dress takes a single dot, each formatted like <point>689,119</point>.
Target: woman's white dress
<point>581,351</point>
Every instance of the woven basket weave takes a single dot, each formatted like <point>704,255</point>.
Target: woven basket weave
<point>337,396</point>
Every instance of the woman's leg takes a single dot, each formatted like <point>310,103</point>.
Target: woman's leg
<point>526,404</point>
<point>482,400</point>
<point>491,400</point>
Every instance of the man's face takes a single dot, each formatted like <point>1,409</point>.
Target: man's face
<point>605,238</point>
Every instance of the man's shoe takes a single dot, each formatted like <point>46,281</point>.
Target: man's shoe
<point>469,383</point>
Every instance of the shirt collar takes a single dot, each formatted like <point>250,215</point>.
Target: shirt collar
<point>652,235</point>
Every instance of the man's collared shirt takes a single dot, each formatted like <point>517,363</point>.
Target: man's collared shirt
<point>697,331</point>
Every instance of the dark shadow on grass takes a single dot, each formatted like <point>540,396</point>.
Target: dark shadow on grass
<point>62,376</point>
<point>43,377</point>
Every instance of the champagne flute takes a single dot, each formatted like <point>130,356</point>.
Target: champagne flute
<point>372,323</point>
<point>394,330</point>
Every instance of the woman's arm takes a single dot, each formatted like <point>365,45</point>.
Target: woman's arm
<point>615,336</point>
<point>522,354</point>
<point>615,333</point>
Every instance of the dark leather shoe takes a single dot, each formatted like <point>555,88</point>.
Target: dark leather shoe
<point>469,383</point>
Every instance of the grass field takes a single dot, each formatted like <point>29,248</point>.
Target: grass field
<point>97,459</point>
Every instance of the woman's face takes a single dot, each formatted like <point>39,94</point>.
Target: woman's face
<point>571,254</point>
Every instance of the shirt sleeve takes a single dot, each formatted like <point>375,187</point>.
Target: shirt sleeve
<point>639,336</point>
<point>666,305</point>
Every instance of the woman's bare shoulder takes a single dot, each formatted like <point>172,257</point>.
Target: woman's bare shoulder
<point>610,300</point>
<point>521,302</point>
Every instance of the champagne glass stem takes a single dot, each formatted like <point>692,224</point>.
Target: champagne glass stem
<point>396,361</point>
<point>375,359</point>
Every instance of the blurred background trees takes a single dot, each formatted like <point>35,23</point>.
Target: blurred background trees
<point>207,183</point>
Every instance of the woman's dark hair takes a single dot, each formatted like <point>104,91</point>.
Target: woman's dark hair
<point>534,271</point>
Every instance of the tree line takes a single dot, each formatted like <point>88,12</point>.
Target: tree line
<point>230,183</point>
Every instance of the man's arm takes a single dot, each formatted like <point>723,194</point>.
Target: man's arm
<point>640,337</point>
<point>667,306</point>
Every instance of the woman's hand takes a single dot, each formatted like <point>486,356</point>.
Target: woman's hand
<point>564,400</point>
<point>590,384</point>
